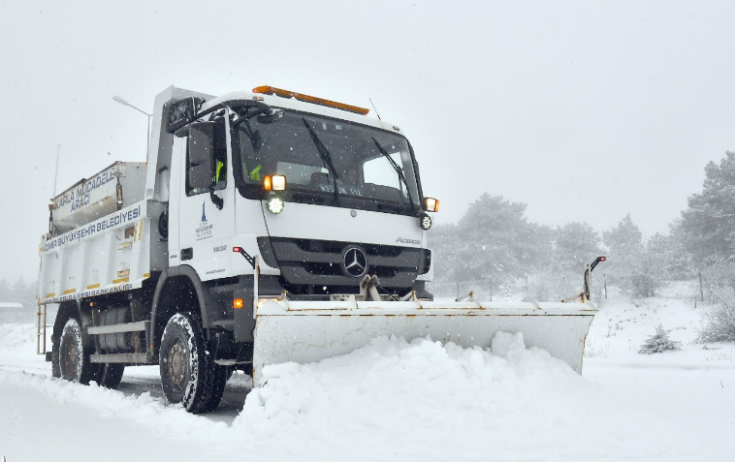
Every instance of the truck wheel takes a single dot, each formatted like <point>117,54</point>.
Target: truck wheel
<point>110,375</point>
<point>220,375</point>
<point>55,367</point>
<point>73,359</point>
<point>188,372</point>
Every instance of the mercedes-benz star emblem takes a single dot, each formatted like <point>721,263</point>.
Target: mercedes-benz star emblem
<point>355,262</point>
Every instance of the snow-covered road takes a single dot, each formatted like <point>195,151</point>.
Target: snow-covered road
<point>398,401</point>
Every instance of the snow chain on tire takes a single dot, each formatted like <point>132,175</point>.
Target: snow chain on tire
<point>188,373</point>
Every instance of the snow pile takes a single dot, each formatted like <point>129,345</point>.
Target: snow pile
<point>428,401</point>
<point>389,400</point>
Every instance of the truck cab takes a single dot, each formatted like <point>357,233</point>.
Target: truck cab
<point>321,193</point>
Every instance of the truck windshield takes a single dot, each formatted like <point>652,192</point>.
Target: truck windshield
<point>371,169</point>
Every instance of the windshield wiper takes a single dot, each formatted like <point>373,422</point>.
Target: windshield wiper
<point>324,156</point>
<point>398,170</point>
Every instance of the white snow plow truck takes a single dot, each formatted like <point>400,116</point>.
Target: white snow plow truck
<point>265,227</point>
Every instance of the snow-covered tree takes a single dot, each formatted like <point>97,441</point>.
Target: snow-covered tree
<point>719,321</point>
<point>708,224</point>
<point>633,264</point>
<point>625,241</point>
<point>575,245</point>
<point>493,241</point>
<point>444,242</point>
<point>625,245</point>
<point>659,342</point>
<point>677,260</point>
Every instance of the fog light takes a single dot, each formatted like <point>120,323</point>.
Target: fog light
<point>275,205</point>
<point>425,221</point>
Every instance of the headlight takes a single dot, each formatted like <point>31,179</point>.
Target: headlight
<point>425,221</point>
<point>274,183</point>
<point>274,205</point>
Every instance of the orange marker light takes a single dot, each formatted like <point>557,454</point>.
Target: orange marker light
<point>268,90</point>
<point>268,183</point>
<point>237,303</point>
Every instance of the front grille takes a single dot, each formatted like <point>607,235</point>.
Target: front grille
<point>313,262</point>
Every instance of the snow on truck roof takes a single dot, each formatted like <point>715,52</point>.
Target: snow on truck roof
<point>285,99</point>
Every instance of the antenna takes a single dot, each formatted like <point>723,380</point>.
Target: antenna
<point>56,172</point>
<point>374,108</point>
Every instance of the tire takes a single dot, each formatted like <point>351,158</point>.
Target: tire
<point>55,367</point>
<point>188,373</point>
<point>219,381</point>
<point>109,375</point>
<point>73,358</point>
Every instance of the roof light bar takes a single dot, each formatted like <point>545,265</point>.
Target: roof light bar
<point>268,90</point>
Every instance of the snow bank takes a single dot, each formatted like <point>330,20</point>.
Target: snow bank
<point>396,400</point>
<point>428,401</point>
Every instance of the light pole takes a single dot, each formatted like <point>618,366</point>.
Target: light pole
<point>117,99</point>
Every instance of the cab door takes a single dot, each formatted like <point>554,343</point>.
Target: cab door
<point>207,216</point>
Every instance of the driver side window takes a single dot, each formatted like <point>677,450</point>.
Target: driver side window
<point>219,166</point>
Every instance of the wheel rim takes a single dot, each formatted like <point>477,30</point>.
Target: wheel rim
<point>178,365</point>
<point>69,360</point>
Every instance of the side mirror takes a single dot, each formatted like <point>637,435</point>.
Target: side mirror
<point>201,156</point>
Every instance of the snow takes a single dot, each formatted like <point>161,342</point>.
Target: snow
<point>398,400</point>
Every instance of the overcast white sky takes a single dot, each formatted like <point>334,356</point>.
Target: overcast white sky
<point>584,110</point>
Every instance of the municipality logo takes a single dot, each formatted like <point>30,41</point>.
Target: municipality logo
<point>204,231</point>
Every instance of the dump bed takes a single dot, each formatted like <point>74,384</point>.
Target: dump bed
<point>105,237</point>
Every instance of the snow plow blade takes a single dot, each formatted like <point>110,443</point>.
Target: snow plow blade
<point>306,332</point>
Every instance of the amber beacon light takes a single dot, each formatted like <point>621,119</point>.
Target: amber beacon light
<point>268,90</point>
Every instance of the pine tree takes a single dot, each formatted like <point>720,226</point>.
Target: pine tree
<point>659,342</point>
<point>497,243</point>
<point>444,241</point>
<point>575,245</point>
<point>625,250</point>
<point>708,224</point>
<point>676,261</point>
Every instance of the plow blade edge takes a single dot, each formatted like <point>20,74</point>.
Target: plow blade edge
<point>306,332</point>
